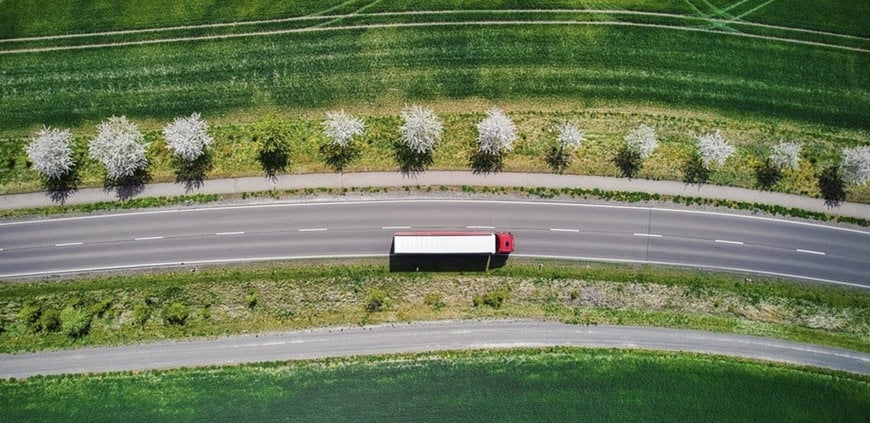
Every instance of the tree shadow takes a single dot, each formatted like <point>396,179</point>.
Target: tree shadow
<point>628,161</point>
<point>338,157</point>
<point>192,173</point>
<point>128,186</point>
<point>694,171</point>
<point>273,161</point>
<point>60,189</point>
<point>767,175</point>
<point>410,161</point>
<point>832,186</point>
<point>558,159</point>
<point>484,163</point>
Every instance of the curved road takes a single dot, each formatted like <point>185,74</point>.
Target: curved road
<point>420,337</point>
<point>364,228</point>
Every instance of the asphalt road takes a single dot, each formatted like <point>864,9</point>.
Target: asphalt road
<point>327,229</point>
<point>420,337</point>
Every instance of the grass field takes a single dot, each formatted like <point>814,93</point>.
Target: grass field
<point>129,309</point>
<point>524,385</point>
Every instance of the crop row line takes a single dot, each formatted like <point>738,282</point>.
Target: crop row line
<point>427,24</point>
<point>430,13</point>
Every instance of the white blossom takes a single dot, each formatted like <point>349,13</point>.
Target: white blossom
<point>421,129</point>
<point>714,148</point>
<point>786,154</point>
<point>568,134</point>
<point>187,136</point>
<point>642,139</point>
<point>856,165</point>
<point>50,151</point>
<point>120,147</point>
<point>341,127</point>
<point>496,133</point>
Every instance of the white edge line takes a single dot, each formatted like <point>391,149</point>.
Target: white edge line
<point>725,241</point>
<point>148,238</point>
<point>564,230</point>
<point>313,229</point>
<point>438,200</point>
<point>648,235</point>
<point>229,233</point>
<point>800,250</point>
<point>696,266</point>
<point>67,244</point>
<point>395,227</point>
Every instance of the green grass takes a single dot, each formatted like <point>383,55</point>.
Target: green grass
<point>317,294</point>
<point>556,384</point>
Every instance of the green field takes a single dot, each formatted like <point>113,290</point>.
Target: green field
<point>526,385</point>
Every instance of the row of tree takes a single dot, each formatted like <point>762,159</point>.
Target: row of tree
<point>120,147</point>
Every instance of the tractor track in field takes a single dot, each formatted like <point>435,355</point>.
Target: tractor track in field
<point>336,18</point>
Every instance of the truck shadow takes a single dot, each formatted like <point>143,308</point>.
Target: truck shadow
<point>445,262</point>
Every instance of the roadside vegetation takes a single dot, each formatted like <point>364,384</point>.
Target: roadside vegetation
<point>552,384</point>
<point>126,309</point>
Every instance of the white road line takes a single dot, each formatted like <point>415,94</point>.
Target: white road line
<point>395,227</point>
<point>564,230</point>
<point>648,235</point>
<point>148,238</point>
<point>229,233</point>
<point>818,253</point>
<point>480,227</point>
<point>67,244</point>
<point>313,230</point>
<point>725,241</point>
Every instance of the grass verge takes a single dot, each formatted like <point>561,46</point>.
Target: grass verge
<point>258,298</point>
<point>552,384</point>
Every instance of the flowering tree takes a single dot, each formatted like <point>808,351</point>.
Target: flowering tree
<point>786,155</point>
<point>340,128</point>
<point>568,137</point>
<point>643,140</point>
<point>50,151</point>
<point>496,133</point>
<point>187,137</point>
<point>421,129</point>
<point>120,147</point>
<point>856,165</point>
<point>714,148</point>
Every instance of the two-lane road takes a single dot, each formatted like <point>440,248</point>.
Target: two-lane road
<point>362,228</point>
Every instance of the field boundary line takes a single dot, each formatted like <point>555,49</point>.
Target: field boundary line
<point>423,13</point>
<point>429,25</point>
<point>755,9</point>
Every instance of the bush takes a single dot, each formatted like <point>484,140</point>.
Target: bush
<point>49,321</point>
<point>75,322</point>
<point>434,300</point>
<point>377,300</point>
<point>29,313</point>
<point>141,313</point>
<point>100,308</point>
<point>494,299</point>
<point>176,314</point>
<point>251,299</point>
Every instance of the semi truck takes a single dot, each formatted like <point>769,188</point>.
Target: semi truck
<point>453,242</point>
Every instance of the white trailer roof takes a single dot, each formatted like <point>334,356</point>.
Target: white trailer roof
<point>444,244</point>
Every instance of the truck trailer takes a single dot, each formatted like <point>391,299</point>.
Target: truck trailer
<point>456,242</point>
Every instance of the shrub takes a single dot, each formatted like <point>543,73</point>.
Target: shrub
<point>494,299</point>
<point>434,300</point>
<point>75,322</point>
<point>176,314</point>
<point>100,308</point>
<point>29,313</point>
<point>377,300</point>
<point>251,299</point>
<point>49,321</point>
<point>141,313</point>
